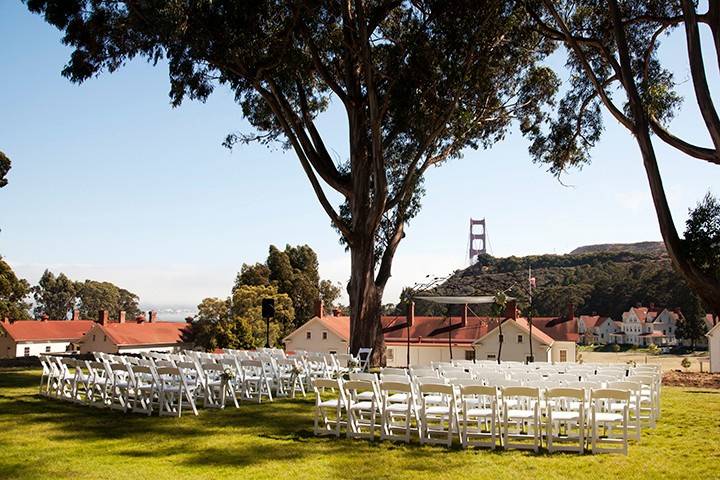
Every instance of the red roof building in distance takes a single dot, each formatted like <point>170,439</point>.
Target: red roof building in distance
<point>34,337</point>
<point>440,334</point>
<point>134,336</point>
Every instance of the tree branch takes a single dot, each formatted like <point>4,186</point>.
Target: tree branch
<point>697,70</point>
<point>619,116</point>
<point>301,154</point>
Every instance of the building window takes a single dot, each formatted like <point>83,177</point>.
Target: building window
<point>93,337</point>
<point>104,338</point>
<point>26,352</point>
<point>390,354</point>
<point>469,354</point>
<point>324,335</point>
<point>47,349</point>
<point>491,356</point>
<point>563,355</point>
<point>520,339</point>
<point>333,352</point>
<point>308,335</point>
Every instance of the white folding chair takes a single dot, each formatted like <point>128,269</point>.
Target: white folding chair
<point>256,385</point>
<point>521,417</point>
<point>144,390</point>
<point>565,419</point>
<point>480,416</point>
<point>364,355</point>
<point>362,414</point>
<point>323,423</point>
<point>120,385</point>
<point>607,416</point>
<point>438,414</point>
<point>290,377</point>
<point>634,412</point>
<point>218,386</point>
<point>397,416</point>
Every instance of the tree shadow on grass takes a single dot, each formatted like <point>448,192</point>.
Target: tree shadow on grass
<point>251,436</point>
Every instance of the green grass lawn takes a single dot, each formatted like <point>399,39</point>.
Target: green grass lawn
<point>50,439</point>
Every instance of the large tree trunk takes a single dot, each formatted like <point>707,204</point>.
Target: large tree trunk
<point>706,287</point>
<point>365,303</point>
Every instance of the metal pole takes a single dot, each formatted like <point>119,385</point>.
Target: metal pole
<point>267,332</point>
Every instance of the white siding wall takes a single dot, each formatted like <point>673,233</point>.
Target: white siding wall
<point>298,339</point>
<point>421,356</point>
<point>714,347</point>
<point>34,348</point>
<point>568,347</point>
<point>511,349</point>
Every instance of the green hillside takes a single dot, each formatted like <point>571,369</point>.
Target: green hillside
<point>602,282</point>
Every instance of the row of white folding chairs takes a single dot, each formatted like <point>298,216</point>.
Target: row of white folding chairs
<point>645,396</point>
<point>210,380</point>
<point>121,386</point>
<point>478,415</point>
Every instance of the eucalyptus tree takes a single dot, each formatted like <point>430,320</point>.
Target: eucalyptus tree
<point>419,82</point>
<point>5,165</point>
<point>615,64</point>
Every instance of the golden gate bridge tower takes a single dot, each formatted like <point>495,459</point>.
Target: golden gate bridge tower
<point>478,239</point>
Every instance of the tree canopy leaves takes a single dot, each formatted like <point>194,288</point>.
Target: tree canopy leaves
<point>294,272</point>
<point>5,165</point>
<point>13,291</point>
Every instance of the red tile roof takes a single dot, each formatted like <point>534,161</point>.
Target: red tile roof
<point>475,327</point>
<point>591,321</point>
<point>155,333</point>
<point>37,330</point>
<point>338,325</point>
<point>561,329</point>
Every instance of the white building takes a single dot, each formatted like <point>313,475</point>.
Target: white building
<point>595,329</point>
<point>713,337</point>
<point>26,338</point>
<point>515,346</point>
<point>418,341</point>
<point>643,327</point>
<point>320,334</point>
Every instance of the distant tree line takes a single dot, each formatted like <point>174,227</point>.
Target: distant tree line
<point>57,296</point>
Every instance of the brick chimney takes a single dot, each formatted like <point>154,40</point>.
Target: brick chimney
<point>152,316</point>
<point>76,315</point>
<point>511,310</point>
<point>44,317</point>
<point>121,317</point>
<point>103,317</point>
<point>5,320</point>
<point>336,312</point>
<point>570,311</point>
<point>319,311</point>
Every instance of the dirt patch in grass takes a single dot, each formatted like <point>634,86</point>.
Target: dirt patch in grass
<point>678,378</point>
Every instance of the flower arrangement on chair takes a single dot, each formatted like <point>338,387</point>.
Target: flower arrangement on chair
<point>227,375</point>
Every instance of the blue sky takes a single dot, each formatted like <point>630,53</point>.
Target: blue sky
<point>110,182</point>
